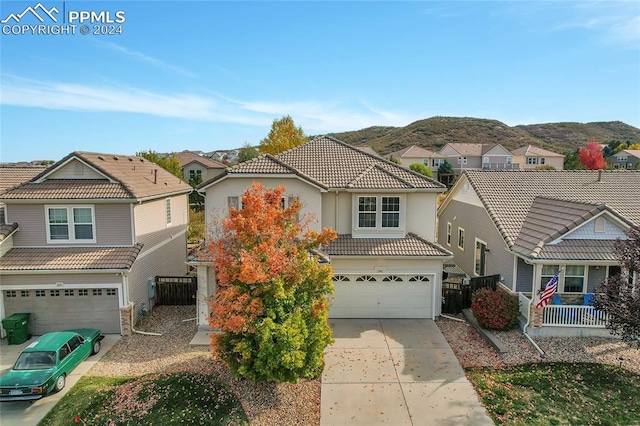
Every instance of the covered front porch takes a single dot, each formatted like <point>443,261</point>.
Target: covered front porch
<point>571,316</point>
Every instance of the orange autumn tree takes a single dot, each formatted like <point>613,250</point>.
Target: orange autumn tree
<point>591,156</point>
<point>271,303</point>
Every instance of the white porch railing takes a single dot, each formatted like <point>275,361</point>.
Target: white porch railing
<point>524,306</point>
<point>573,316</point>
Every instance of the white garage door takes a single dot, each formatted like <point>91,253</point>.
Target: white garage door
<point>388,296</point>
<point>55,310</point>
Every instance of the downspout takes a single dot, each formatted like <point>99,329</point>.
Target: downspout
<point>146,333</point>
<point>524,330</point>
<point>336,212</point>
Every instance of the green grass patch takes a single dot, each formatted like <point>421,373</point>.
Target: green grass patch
<point>559,393</point>
<point>162,399</point>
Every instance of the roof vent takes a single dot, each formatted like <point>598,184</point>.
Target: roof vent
<point>100,157</point>
<point>115,158</point>
<point>130,159</point>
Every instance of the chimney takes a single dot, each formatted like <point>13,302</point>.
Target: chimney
<point>600,175</point>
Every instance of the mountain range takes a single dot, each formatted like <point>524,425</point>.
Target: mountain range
<point>433,133</point>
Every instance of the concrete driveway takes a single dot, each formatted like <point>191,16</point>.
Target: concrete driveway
<point>29,413</point>
<point>400,372</point>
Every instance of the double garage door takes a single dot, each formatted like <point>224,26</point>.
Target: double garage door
<point>55,310</point>
<point>382,296</point>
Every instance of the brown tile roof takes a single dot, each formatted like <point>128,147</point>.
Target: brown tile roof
<point>6,229</point>
<point>532,150</point>
<point>410,245</point>
<point>368,150</point>
<point>548,219</point>
<point>69,258</point>
<point>187,157</point>
<point>415,152</point>
<point>330,163</point>
<point>14,176</point>
<point>509,194</point>
<point>579,250</point>
<point>472,149</point>
<point>126,177</point>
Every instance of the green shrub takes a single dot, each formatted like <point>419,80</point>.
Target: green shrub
<point>495,310</point>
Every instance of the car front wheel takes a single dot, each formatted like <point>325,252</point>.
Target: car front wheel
<point>60,382</point>
<point>96,347</point>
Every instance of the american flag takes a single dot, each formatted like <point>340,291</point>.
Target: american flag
<point>549,291</point>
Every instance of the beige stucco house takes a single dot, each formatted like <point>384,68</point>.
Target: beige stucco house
<point>418,155</point>
<point>532,157</point>
<point>385,260</point>
<point>466,156</point>
<point>83,239</point>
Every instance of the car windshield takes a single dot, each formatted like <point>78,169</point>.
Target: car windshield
<point>35,361</point>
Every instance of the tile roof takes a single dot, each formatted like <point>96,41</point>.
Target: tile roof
<point>579,250</point>
<point>14,176</point>
<point>186,157</point>
<point>69,258</point>
<point>330,163</point>
<point>368,150</point>
<point>472,149</point>
<point>416,152</point>
<point>548,219</point>
<point>125,177</point>
<point>509,194</point>
<point>410,245</point>
<point>6,229</point>
<point>534,150</point>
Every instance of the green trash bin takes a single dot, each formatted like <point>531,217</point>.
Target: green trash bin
<point>16,326</point>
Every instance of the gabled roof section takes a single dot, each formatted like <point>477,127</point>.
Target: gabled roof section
<point>14,176</point>
<point>410,245</point>
<point>111,177</point>
<point>508,195</point>
<point>472,149</point>
<point>69,258</point>
<point>329,163</point>
<point>535,151</point>
<point>416,152</point>
<point>586,250</point>
<point>188,157</point>
<point>368,150</point>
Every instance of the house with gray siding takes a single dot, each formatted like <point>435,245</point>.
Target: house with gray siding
<point>89,233</point>
<point>625,159</point>
<point>385,260</point>
<point>470,156</point>
<point>527,225</point>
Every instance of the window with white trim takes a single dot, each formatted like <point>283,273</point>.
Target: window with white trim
<point>543,160</point>
<point>532,160</point>
<point>437,162</point>
<point>462,160</point>
<point>70,224</point>
<point>461,238</point>
<point>574,278</point>
<point>449,233</point>
<point>193,173</point>
<point>548,271</point>
<point>167,204</point>
<point>378,211</point>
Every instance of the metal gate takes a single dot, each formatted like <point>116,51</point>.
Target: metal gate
<point>176,290</point>
<point>456,295</point>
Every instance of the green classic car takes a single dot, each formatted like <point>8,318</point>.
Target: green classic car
<point>43,366</point>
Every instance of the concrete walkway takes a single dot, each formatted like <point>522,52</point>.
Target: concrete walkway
<point>399,372</point>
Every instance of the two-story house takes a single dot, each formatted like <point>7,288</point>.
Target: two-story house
<point>194,165</point>
<point>626,159</point>
<point>90,233</point>
<point>533,157</point>
<point>527,225</point>
<point>465,156</point>
<point>385,260</point>
<point>418,155</point>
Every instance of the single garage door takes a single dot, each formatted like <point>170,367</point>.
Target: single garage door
<point>55,310</point>
<point>388,296</point>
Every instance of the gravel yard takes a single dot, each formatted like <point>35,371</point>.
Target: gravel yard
<point>473,351</point>
<point>264,404</point>
<point>299,404</point>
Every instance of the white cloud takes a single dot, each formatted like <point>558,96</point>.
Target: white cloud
<point>313,116</point>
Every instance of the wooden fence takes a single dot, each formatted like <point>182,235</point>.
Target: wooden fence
<point>456,296</point>
<point>176,290</point>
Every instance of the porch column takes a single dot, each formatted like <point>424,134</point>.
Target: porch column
<point>206,289</point>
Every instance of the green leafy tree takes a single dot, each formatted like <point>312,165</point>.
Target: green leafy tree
<point>545,167</point>
<point>634,146</point>
<point>571,161</point>
<point>247,152</point>
<point>169,162</point>
<point>196,200</point>
<point>394,160</point>
<point>618,296</point>
<point>445,168</point>
<point>271,306</point>
<point>421,168</point>
<point>283,136</point>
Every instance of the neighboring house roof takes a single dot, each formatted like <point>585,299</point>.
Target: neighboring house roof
<point>579,250</point>
<point>633,152</point>
<point>368,150</point>
<point>534,151</point>
<point>14,176</point>
<point>549,219</point>
<point>330,163</point>
<point>125,177</point>
<point>508,195</point>
<point>415,152</point>
<point>188,157</point>
<point>472,149</point>
<point>69,258</point>
<point>410,245</point>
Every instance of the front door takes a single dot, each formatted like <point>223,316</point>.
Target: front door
<point>481,258</point>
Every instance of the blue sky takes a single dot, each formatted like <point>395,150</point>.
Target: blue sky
<point>214,75</point>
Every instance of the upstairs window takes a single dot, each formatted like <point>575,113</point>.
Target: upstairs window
<point>167,203</point>
<point>532,160</point>
<point>461,238</point>
<point>70,224</point>
<point>378,212</point>
<point>437,162</point>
